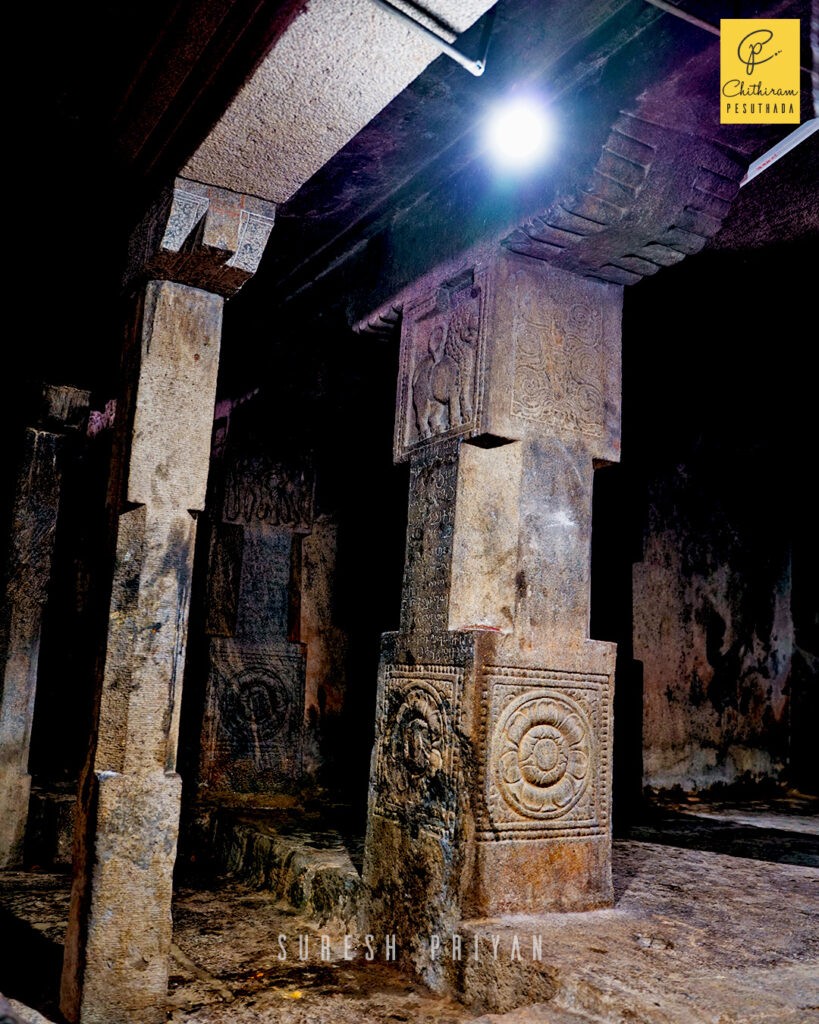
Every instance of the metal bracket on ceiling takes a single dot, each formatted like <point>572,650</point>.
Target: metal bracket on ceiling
<point>474,67</point>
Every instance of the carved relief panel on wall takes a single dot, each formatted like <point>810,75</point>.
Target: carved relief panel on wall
<point>254,716</point>
<point>259,489</point>
<point>559,376</point>
<point>442,348</point>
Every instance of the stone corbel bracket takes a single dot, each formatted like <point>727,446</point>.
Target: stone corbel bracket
<point>654,197</point>
<point>202,236</point>
<point>384,323</point>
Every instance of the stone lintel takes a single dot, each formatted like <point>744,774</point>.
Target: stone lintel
<point>202,236</point>
<point>655,194</point>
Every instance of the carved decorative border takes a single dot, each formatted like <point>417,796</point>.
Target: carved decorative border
<point>585,698</point>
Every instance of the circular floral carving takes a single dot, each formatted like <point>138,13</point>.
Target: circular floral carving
<point>581,315</point>
<point>255,707</point>
<point>543,754</point>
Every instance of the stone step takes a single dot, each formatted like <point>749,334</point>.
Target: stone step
<point>310,869</point>
<point>14,1012</point>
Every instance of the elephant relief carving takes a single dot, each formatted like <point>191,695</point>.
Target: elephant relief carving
<point>443,383</point>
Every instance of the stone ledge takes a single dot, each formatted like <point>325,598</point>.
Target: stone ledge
<point>309,869</point>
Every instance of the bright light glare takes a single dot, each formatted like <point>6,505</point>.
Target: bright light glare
<point>517,133</point>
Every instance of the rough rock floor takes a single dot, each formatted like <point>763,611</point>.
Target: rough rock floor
<point>698,936</point>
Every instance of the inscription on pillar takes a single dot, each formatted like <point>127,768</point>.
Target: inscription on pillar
<point>430,530</point>
<point>442,349</point>
<point>546,753</point>
<point>416,757</point>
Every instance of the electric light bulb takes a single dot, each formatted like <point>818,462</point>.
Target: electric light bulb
<point>518,132</point>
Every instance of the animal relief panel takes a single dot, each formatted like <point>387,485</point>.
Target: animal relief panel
<point>441,358</point>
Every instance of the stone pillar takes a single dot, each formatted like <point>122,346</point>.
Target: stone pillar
<point>253,725</point>
<point>63,410</point>
<point>491,774</point>
<point>119,933</point>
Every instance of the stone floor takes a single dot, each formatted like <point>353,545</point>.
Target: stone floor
<point>716,922</point>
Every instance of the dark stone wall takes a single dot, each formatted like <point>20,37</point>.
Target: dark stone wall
<point>717,431</point>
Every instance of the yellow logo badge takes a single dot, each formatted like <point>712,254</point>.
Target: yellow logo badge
<point>759,70</point>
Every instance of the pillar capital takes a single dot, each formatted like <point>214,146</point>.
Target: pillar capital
<point>509,349</point>
<point>199,235</point>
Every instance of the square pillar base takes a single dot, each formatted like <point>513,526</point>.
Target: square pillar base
<point>125,911</point>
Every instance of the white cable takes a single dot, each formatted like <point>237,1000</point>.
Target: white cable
<point>806,129</point>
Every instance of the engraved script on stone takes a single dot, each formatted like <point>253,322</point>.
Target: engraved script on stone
<point>559,368</point>
<point>425,596</point>
<point>546,748</point>
<point>416,754</point>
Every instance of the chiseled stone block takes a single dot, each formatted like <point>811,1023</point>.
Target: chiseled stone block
<point>253,727</point>
<point>128,918</point>
<point>510,348</point>
<point>490,785</point>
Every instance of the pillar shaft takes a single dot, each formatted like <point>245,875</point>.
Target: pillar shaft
<point>33,532</point>
<point>119,933</point>
<point>253,726</point>
<point>491,774</point>
<point>120,927</point>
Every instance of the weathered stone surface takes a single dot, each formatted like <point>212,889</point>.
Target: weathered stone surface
<point>199,235</point>
<point>327,643</point>
<point>128,923</point>
<point>253,726</point>
<point>116,960</point>
<point>60,410</point>
<point>308,868</point>
<point>316,89</point>
<point>496,350</point>
<point>259,489</point>
<point>254,719</point>
<point>14,1012</point>
<point>491,776</point>
<point>661,955</point>
<point>713,629</point>
<point>628,220</point>
<point>50,833</point>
